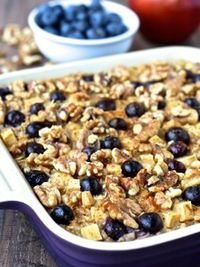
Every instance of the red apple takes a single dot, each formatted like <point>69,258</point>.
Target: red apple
<point>167,21</point>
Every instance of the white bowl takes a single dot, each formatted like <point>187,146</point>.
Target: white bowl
<point>62,49</point>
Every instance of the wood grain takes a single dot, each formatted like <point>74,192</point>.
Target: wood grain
<point>19,245</point>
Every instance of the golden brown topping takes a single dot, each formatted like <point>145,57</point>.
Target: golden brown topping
<point>48,195</point>
<point>106,123</point>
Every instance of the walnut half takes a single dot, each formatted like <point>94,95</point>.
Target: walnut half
<point>48,194</point>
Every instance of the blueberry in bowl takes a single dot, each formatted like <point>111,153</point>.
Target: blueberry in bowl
<point>78,29</point>
<point>80,21</point>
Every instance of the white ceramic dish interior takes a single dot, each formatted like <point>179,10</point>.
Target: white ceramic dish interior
<point>14,186</point>
<point>61,49</point>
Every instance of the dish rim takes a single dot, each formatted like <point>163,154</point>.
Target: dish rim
<point>136,58</point>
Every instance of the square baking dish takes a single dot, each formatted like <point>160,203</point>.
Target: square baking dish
<point>176,248</point>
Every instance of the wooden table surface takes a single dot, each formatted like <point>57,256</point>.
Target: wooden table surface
<point>19,245</point>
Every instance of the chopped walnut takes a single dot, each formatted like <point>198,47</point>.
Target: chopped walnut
<point>73,111</point>
<point>92,138</point>
<point>116,211</point>
<point>12,34</point>
<point>119,156</point>
<point>55,132</point>
<point>91,113</point>
<point>62,165</point>
<point>95,168</point>
<point>59,180</point>
<point>48,195</point>
<point>165,182</point>
<point>147,202</point>
<point>121,90</point>
<point>163,200</point>
<point>103,155</point>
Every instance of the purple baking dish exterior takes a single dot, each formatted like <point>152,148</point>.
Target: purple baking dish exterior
<point>180,248</point>
<point>182,252</point>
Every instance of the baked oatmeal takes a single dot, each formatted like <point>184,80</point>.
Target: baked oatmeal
<point>112,156</point>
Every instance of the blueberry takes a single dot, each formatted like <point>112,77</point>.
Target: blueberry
<point>95,33</point>
<point>177,134</point>
<point>35,177</point>
<point>47,124</point>
<point>33,148</point>
<point>115,28</point>
<point>193,77</point>
<point>62,214</point>
<point>110,142</point>
<point>4,92</point>
<point>130,168</point>
<point>97,19</point>
<point>91,184</point>
<point>80,25</point>
<point>51,30</point>
<point>70,13</point>
<point>82,16</point>
<point>26,87</point>
<point>193,103</point>
<point>59,11</point>
<point>89,150</point>
<point>35,108</point>
<point>135,109</point>
<point>57,96</point>
<point>49,17</point>
<point>149,83</point>
<point>178,149</point>
<point>14,118</point>
<point>88,77</point>
<point>81,8</point>
<point>65,28</point>
<point>41,10</point>
<point>96,5</point>
<point>136,84</point>
<point>76,35</point>
<point>118,124</point>
<point>161,104</point>
<point>192,194</point>
<point>106,104</point>
<point>33,128</point>
<point>114,228</point>
<point>175,165</point>
<point>150,222</point>
<point>113,17</point>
